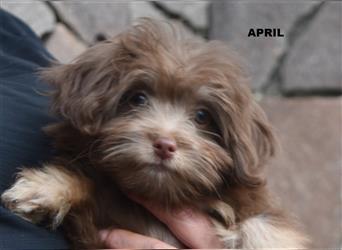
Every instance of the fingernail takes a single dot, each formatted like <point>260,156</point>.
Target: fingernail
<point>185,213</point>
<point>103,234</point>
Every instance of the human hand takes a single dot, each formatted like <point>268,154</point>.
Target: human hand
<point>191,227</point>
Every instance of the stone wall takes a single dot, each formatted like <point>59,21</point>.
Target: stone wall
<point>297,78</point>
<point>306,60</point>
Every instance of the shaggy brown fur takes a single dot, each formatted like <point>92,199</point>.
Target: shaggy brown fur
<point>106,134</point>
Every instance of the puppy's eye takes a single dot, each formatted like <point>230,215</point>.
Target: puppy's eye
<point>203,117</point>
<point>138,99</point>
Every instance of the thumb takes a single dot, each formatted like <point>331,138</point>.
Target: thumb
<point>120,239</point>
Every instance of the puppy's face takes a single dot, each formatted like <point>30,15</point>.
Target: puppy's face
<point>165,139</point>
<point>172,117</point>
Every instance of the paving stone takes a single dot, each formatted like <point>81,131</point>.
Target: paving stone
<point>92,19</point>
<point>231,21</point>
<point>306,174</point>
<point>314,62</point>
<point>140,9</point>
<point>64,45</point>
<point>34,13</point>
<point>194,11</point>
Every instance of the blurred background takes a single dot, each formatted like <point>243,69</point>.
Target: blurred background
<point>296,78</point>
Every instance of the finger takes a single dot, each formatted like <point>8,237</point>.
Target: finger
<point>119,239</point>
<point>191,227</point>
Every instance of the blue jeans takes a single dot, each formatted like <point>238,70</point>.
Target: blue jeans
<point>23,112</point>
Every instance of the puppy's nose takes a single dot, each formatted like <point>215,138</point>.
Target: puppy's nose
<point>164,147</point>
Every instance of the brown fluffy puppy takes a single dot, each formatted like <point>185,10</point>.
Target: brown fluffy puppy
<point>167,119</point>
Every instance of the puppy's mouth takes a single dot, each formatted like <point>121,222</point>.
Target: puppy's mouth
<point>160,167</point>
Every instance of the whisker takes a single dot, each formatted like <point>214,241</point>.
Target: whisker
<point>210,133</point>
<point>82,153</point>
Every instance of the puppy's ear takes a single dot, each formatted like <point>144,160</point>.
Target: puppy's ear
<point>252,145</point>
<point>87,87</point>
<point>83,88</point>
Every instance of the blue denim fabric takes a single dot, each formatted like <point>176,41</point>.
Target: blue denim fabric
<point>23,112</point>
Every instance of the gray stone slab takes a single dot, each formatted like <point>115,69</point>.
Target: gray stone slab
<point>306,173</point>
<point>196,12</point>
<point>64,45</point>
<point>35,14</point>
<point>314,62</point>
<point>140,9</point>
<point>91,19</point>
<point>231,21</point>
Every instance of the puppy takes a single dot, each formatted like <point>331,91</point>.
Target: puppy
<point>167,119</point>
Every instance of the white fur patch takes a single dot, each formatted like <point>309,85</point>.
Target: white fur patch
<point>259,233</point>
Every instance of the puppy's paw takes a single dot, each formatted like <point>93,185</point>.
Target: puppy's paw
<point>223,219</point>
<point>33,198</point>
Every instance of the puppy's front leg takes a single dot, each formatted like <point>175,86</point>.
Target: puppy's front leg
<point>48,192</point>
